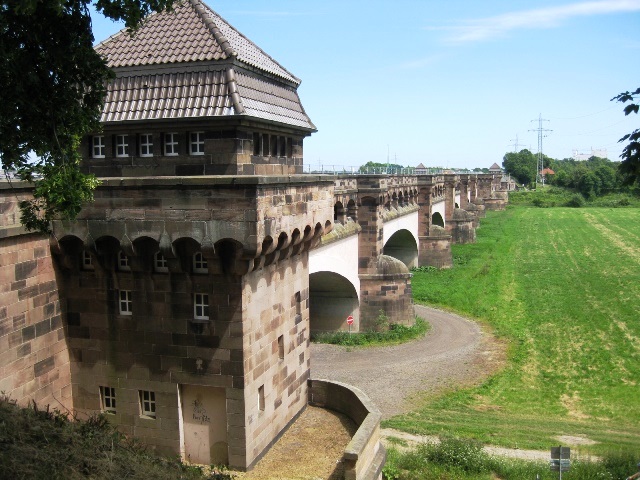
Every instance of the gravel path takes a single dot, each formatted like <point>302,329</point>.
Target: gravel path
<point>454,353</point>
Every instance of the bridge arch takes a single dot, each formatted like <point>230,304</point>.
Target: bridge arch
<point>332,298</point>
<point>403,246</point>
<point>436,219</point>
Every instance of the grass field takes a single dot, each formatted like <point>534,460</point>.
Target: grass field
<point>562,287</point>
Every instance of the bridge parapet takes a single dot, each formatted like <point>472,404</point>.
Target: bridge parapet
<point>251,221</point>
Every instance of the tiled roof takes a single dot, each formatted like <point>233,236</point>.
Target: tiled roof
<point>271,101</point>
<point>201,94</point>
<point>174,95</point>
<point>191,32</point>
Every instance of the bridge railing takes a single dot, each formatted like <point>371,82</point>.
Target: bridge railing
<point>364,170</point>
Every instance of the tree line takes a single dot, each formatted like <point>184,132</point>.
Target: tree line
<point>593,177</point>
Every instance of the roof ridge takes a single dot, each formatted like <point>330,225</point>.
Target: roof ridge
<point>238,107</point>
<point>203,7</point>
<point>224,43</point>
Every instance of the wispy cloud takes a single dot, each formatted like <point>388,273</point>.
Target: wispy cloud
<point>421,62</point>
<point>499,26</point>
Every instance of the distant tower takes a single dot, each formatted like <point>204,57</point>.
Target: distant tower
<point>540,130</point>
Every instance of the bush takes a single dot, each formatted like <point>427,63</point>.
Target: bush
<point>576,201</point>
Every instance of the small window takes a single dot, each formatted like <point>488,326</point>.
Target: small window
<point>261,397</point>
<point>108,399</point>
<point>196,143</point>
<point>147,403</point>
<point>124,302</point>
<point>281,347</point>
<point>257,147</point>
<point>123,262</point>
<point>160,263</point>
<point>122,145</point>
<point>201,306</point>
<point>146,145</point>
<point>98,147</point>
<point>200,263</point>
<point>171,144</point>
<point>87,260</point>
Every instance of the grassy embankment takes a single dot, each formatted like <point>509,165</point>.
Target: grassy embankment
<point>562,287</point>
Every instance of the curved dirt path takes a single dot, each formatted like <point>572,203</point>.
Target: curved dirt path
<point>454,353</point>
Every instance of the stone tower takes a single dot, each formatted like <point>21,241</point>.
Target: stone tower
<point>184,285</point>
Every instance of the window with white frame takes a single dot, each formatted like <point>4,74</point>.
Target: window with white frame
<point>123,262</point>
<point>87,261</point>
<point>125,304</point>
<point>122,145</point>
<point>171,144</point>
<point>160,263</point>
<point>147,403</point>
<point>108,399</point>
<point>98,148</point>
<point>200,264</point>
<point>146,145</point>
<point>201,306</point>
<point>196,143</point>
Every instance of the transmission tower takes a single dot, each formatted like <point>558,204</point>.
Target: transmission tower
<point>541,133</point>
<point>515,144</point>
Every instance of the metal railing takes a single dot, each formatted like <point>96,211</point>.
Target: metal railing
<point>319,169</point>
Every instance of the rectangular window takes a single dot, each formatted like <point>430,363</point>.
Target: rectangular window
<point>147,403</point>
<point>273,151</point>
<point>200,263</point>
<point>171,144</point>
<point>261,397</point>
<point>196,143</point>
<point>123,262</point>
<point>146,145</point>
<point>257,144</point>
<point>281,347</point>
<point>282,146</point>
<point>160,263</point>
<point>125,303</point>
<point>98,146</point>
<point>87,261</point>
<point>201,306</point>
<point>122,145</point>
<point>108,399</point>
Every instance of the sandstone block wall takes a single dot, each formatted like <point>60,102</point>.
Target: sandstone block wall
<point>34,359</point>
<point>276,346</point>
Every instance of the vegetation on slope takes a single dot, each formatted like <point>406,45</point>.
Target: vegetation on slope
<point>562,286</point>
<point>43,444</point>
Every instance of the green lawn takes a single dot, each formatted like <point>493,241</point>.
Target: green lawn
<point>562,287</point>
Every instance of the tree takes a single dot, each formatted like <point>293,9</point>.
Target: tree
<point>53,85</point>
<point>630,165</point>
<point>521,166</point>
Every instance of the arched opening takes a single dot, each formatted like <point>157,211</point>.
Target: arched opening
<point>332,298</point>
<point>338,213</point>
<point>403,246</point>
<point>436,219</point>
<point>352,210</point>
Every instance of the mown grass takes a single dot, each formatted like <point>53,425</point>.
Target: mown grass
<point>396,334</point>
<point>562,287</point>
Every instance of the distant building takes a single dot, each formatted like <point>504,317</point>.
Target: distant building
<point>602,153</point>
<point>495,168</point>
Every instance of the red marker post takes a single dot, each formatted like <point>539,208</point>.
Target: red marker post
<point>350,322</point>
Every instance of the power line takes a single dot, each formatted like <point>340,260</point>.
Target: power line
<point>540,130</point>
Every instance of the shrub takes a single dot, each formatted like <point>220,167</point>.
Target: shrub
<point>576,201</point>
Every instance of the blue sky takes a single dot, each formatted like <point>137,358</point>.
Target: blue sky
<point>449,84</point>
